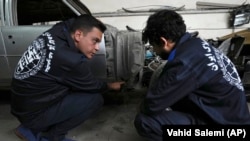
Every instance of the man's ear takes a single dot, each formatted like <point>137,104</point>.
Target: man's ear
<point>77,35</point>
<point>165,42</point>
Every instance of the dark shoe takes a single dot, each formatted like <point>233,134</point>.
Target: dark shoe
<point>25,134</point>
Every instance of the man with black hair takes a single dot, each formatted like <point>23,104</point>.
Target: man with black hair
<point>198,85</point>
<point>53,89</point>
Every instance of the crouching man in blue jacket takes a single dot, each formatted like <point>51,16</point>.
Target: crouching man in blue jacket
<point>198,83</point>
<point>53,89</point>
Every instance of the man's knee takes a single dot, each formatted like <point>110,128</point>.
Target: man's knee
<point>79,102</point>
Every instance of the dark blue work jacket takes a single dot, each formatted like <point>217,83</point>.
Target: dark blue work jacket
<point>200,80</point>
<point>50,69</point>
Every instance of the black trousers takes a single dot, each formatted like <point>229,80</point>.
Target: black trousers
<point>65,115</point>
<point>150,126</point>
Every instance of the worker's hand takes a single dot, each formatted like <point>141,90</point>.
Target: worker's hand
<point>115,85</point>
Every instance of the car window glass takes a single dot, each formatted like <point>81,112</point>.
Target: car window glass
<point>42,12</point>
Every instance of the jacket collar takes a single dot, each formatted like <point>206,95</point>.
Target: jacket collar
<point>184,38</point>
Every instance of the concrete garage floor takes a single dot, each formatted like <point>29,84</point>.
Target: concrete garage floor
<point>113,123</point>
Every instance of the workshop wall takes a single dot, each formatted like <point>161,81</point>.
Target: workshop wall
<point>209,23</point>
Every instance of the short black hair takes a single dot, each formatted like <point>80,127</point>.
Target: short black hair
<point>164,23</point>
<point>86,23</point>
